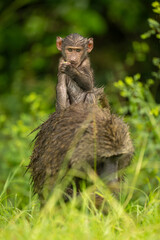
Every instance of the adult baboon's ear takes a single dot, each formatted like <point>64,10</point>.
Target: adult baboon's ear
<point>90,45</point>
<point>59,43</point>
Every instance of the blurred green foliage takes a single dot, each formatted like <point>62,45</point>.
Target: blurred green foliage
<point>143,114</point>
<point>28,73</point>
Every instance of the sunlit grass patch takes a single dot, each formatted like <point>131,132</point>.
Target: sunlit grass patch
<point>78,218</point>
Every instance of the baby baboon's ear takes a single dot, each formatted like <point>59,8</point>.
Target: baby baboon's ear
<point>59,41</point>
<point>90,45</point>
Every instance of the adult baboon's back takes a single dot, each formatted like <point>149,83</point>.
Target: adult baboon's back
<point>80,134</point>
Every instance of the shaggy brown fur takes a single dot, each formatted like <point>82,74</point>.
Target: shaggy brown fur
<point>78,135</point>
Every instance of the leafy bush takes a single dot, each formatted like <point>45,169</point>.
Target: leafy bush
<point>143,114</point>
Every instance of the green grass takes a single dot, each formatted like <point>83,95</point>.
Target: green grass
<point>127,218</point>
<point>67,221</point>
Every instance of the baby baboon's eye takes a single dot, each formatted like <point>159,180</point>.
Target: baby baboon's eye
<point>78,50</point>
<point>69,49</point>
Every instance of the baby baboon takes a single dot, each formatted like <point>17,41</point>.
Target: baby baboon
<point>79,135</point>
<point>75,75</point>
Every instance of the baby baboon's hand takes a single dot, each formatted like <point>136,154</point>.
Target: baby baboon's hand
<point>65,67</point>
